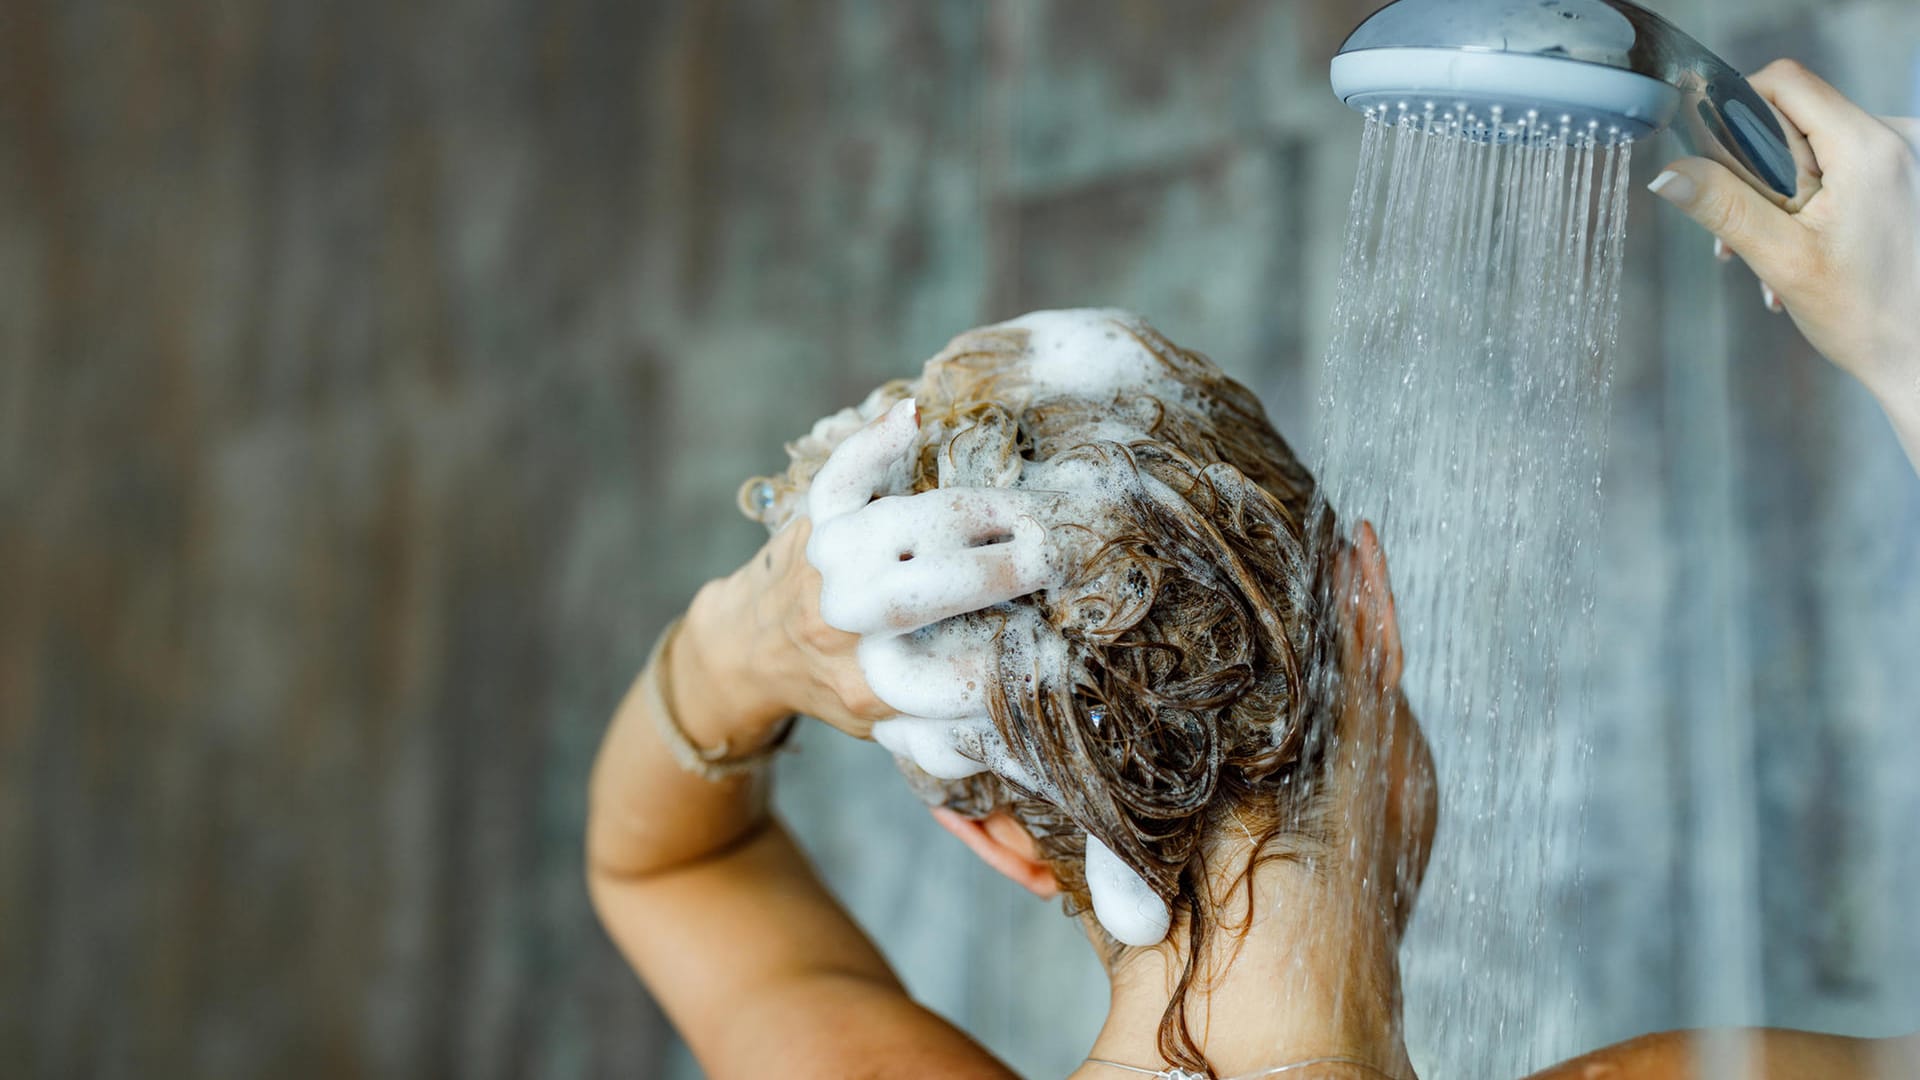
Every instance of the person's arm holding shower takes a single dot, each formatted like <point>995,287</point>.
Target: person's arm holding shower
<point>1847,265</point>
<point>706,895</point>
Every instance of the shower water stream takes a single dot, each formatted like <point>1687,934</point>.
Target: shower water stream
<point>1465,396</point>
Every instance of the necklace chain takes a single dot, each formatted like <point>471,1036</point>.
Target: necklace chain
<point>1176,1073</point>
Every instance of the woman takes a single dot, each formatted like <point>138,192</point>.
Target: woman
<point>1288,859</point>
<point>1111,638</point>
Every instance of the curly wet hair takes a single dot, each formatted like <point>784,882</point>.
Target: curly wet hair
<point>1199,686</point>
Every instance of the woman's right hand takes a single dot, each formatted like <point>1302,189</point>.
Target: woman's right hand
<point>1847,265</point>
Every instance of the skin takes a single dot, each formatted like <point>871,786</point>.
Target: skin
<point>684,872</point>
<point>1770,1053</point>
<point>1846,266</point>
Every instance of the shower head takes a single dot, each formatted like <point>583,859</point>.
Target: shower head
<point>1600,65</point>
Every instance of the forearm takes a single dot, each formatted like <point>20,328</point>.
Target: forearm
<point>707,897</point>
<point>647,813</point>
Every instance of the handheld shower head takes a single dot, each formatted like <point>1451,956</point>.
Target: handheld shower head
<point>1603,65</point>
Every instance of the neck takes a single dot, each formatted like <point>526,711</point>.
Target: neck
<point>1312,977</point>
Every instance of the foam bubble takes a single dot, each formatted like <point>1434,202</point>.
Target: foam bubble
<point>906,562</point>
<point>937,671</point>
<point>1088,352</point>
<point>1122,900</point>
<point>938,746</point>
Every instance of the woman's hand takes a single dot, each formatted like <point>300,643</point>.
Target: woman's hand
<point>757,644</point>
<point>777,638</point>
<point>1847,265</point>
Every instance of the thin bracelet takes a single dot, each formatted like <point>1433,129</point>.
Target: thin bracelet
<point>1182,1074</point>
<point>710,765</point>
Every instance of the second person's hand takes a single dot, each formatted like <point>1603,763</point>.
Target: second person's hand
<point>1846,267</point>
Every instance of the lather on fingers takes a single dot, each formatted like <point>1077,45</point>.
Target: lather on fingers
<point>938,671</point>
<point>944,519</point>
<point>906,561</point>
<point>868,462</point>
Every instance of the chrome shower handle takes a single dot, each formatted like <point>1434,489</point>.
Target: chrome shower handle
<point>1725,119</point>
<point>1443,47</point>
<point>1721,115</point>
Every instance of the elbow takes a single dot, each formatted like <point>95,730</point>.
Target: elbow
<point>608,857</point>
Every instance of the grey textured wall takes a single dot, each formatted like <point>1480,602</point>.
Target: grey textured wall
<point>374,382</point>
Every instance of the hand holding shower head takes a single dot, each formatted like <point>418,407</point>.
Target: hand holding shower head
<point>1606,63</point>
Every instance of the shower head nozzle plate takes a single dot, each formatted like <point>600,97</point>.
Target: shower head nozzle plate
<point>1498,92</point>
<point>1605,63</point>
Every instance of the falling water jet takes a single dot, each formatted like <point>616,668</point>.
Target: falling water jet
<point>1464,397</point>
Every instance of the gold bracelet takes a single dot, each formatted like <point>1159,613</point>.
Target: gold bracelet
<point>714,764</point>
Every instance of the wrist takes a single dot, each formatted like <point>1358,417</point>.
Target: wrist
<point>1896,386</point>
<point>1890,367</point>
<point>713,689</point>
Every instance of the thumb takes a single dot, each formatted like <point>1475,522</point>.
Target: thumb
<point>1767,237</point>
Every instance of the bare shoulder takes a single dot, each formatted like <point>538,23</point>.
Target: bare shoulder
<point>1660,1056</point>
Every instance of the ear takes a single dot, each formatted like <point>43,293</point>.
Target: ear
<point>1004,844</point>
<point>1375,622</point>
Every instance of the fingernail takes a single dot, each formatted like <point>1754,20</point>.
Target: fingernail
<point>1772,298</point>
<point>1720,251</point>
<point>1672,187</point>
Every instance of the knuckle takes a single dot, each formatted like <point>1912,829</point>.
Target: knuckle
<point>1726,217</point>
<point>1812,265</point>
<point>854,693</point>
<point>814,635</point>
<point>806,577</point>
<point>1789,266</point>
<point>1772,75</point>
<point>1798,274</point>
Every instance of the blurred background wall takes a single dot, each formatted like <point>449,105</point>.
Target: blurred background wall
<point>375,379</point>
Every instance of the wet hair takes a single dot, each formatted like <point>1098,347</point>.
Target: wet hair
<point>1198,688</point>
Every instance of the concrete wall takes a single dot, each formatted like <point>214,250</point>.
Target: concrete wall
<point>374,383</point>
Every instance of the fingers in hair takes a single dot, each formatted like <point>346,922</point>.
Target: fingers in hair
<point>861,466</point>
